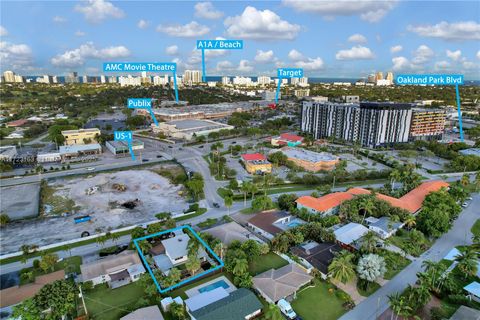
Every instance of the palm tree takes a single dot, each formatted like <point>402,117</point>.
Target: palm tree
<point>144,245</point>
<point>394,176</point>
<point>241,266</point>
<point>342,268</point>
<point>399,305</point>
<point>367,204</point>
<point>219,250</point>
<point>245,189</point>
<point>101,240</point>
<point>228,203</point>
<point>467,262</point>
<point>193,247</point>
<point>465,180</point>
<point>369,242</point>
<point>410,221</point>
<point>273,313</point>
<point>253,189</point>
<point>114,237</point>
<point>193,265</point>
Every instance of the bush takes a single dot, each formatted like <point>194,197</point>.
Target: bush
<point>87,285</point>
<point>36,264</point>
<point>437,313</point>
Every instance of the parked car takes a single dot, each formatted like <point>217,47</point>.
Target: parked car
<point>145,160</point>
<point>465,204</point>
<point>216,205</point>
<point>286,309</point>
<point>90,169</point>
<point>159,155</point>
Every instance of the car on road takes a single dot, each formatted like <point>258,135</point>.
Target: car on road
<point>145,160</point>
<point>200,147</point>
<point>216,205</point>
<point>170,147</point>
<point>90,169</point>
<point>469,198</point>
<point>465,204</point>
<point>159,155</point>
<point>17,177</point>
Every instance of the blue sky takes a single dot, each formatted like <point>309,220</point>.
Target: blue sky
<point>327,39</point>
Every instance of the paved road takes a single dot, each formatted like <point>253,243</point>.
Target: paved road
<point>460,234</point>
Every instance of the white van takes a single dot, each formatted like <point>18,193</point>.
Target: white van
<point>286,309</point>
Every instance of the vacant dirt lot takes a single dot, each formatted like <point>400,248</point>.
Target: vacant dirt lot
<point>115,200</point>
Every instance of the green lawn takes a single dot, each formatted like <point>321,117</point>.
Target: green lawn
<point>317,303</point>
<point>107,304</point>
<point>404,243</point>
<point>266,262</point>
<point>476,228</point>
<point>395,263</point>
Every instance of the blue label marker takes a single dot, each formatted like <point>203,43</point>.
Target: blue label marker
<point>144,66</point>
<point>125,136</point>
<point>216,45</point>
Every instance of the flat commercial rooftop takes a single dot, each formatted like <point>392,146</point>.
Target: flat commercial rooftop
<point>307,155</point>
<point>79,148</point>
<point>210,108</point>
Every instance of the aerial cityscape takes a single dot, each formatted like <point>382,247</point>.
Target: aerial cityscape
<point>240,160</point>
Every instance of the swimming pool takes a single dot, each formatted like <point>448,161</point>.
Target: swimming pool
<point>293,224</point>
<point>215,285</point>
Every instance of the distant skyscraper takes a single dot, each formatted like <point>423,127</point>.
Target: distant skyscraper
<point>389,77</point>
<point>302,82</point>
<point>225,80</point>
<point>192,76</point>
<point>9,76</point>
<point>112,79</point>
<point>371,78</point>
<point>263,80</point>
<point>103,79</point>
<point>379,75</point>
<point>72,77</point>
<point>160,81</point>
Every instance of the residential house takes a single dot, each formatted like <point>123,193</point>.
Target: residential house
<point>325,205</point>
<point>116,270</point>
<point>147,313</point>
<point>473,290</point>
<point>316,255</point>
<point>269,223</point>
<point>231,231</point>
<point>348,235</point>
<point>287,139</point>
<point>466,313</point>
<point>276,284</point>
<point>384,227</point>
<point>241,304</point>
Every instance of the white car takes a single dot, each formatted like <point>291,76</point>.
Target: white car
<point>90,169</point>
<point>286,309</point>
<point>465,205</point>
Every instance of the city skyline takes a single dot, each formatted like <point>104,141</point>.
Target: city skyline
<point>434,37</point>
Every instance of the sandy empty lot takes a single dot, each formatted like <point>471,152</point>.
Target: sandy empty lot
<point>152,192</point>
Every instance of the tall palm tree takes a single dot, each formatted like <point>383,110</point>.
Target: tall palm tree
<point>193,265</point>
<point>253,189</point>
<point>369,242</point>
<point>410,221</point>
<point>219,250</point>
<point>399,305</point>
<point>465,180</point>
<point>245,189</point>
<point>367,204</point>
<point>193,247</point>
<point>228,203</point>
<point>394,176</point>
<point>467,262</point>
<point>241,266</point>
<point>342,268</point>
<point>273,313</point>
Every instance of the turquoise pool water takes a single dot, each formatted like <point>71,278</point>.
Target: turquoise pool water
<point>294,224</point>
<point>215,285</point>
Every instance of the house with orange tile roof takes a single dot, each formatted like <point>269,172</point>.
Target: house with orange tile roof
<point>287,139</point>
<point>256,163</point>
<point>330,203</point>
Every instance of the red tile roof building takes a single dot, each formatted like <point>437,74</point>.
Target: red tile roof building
<point>286,139</point>
<point>329,204</point>
<point>256,163</point>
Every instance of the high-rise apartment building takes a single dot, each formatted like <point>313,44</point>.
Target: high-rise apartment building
<point>389,77</point>
<point>192,76</point>
<point>427,124</point>
<point>160,80</point>
<point>379,75</point>
<point>242,81</point>
<point>72,77</point>
<point>264,80</point>
<point>372,124</point>
<point>302,82</point>
<point>225,80</point>
<point>9,76</point>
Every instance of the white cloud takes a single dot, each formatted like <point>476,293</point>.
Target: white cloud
<point>142,24</point>
<point>463,30</point>
<point>59,19</point>
<point>396,49</point>
<point>310,64</point>
<point>245,66</point>
<point>189,30</point>
<point>357,38</point>
<point>171,50</point>
<point>355,53</point>
<point>15,56</point>
<point>402,64</point>
<point>264,56</point>
<point>454,55</point>
<point>3,31</point>
<point>295,55</point>
<point>369,10</point>
<point>260,25</point>
<point>478,54</point>
<point>206,10</point>
<point>80,33</point>
<point>96,11</point>
<point>442,65</point>
<point>225,65</point>
<point>77,57</point>
<point>423,54</point>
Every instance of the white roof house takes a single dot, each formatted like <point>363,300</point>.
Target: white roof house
<point>350,233</point>
<point>204,299</point>
<point>176,248</point>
